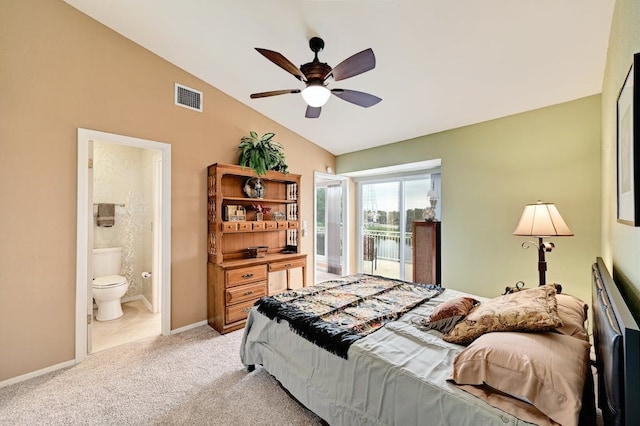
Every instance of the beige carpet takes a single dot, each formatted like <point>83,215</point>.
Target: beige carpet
<point>191,378</point>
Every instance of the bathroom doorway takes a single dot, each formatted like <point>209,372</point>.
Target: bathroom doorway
<point>134,176</point>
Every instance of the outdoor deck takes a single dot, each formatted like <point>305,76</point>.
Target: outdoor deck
<point>381,246</point>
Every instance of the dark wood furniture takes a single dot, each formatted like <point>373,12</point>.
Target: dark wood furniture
<point>616,339</point>
<point>234,280</point>
<point>370,252</point>
<point>426,252</point>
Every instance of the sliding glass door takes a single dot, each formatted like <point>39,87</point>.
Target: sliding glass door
<point>381,229</point>
<point>388,208</point>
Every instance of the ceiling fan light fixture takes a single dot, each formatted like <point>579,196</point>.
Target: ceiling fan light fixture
<point>316,95</point>
<point>315,74</point>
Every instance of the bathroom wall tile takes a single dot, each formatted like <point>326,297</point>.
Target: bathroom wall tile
<point>119,177</point>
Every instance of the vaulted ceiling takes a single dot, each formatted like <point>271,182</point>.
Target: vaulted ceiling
<point>439,64</point>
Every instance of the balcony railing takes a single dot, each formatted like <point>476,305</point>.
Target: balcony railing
<point>386,244</point>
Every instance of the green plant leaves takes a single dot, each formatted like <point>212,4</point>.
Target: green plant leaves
<point>262,154</point>
<point>267,136</point>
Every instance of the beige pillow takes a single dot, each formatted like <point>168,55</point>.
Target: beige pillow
<point>534,309</point>
<point>546,369</point>
<point>573,313</point>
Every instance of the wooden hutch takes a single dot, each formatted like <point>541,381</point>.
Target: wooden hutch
<point>426,252</point>
<point>235,280</point>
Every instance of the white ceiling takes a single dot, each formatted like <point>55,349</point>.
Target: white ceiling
<point>440,64</point>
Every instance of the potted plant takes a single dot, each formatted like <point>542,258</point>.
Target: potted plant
<point>260,211</point>
<point>262,154</point>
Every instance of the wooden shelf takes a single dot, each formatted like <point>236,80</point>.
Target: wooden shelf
<point>232,227</point>
<point>269,258</point>
<point>234,281</point>
<point>258,200</point>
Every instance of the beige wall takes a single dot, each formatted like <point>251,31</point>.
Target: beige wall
<point>489,172</point>
<point>61,70</point>
<point>621,243</point>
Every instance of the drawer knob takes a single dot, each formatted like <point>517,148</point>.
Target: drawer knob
<point>246,310</point>
<point>249,275</point>
<point>287,265</point>
<point>248,293</point>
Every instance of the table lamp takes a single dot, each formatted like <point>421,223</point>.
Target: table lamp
<point>541,220</point>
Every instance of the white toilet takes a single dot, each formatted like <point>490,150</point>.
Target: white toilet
<point>108,285</point>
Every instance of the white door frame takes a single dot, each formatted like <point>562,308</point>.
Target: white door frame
<point>156,273</point>
<point>320,176</point>
<point>84,219</point>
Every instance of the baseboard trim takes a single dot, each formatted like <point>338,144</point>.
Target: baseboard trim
<point>36,373</point>
<point>147,303</point>
<point>71,363</point>
<point>189,327</point>
<point>131,298</point>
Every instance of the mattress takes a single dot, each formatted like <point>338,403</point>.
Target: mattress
<point>395,376</point>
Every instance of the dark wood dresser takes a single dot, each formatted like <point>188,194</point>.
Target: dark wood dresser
<point>426,252</point>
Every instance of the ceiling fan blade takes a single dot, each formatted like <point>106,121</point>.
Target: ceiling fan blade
<point>313,112</point>
<point>282,62</point>
<point>354,65</point>
<point>359,98</point>
<point>273,93</point>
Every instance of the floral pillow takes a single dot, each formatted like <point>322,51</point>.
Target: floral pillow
<point>534,309</point>
<point>447,314</point>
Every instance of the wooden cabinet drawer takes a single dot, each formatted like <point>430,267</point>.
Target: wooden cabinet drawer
<point>250,274</point>
<point>246,292</point>
<point>286,264</point>
<point>270,225</point>
<point>239,311</point>
<point>293,225</point>
<point>229,226</point>
<point>258,225</point>
<point>244,226</point>
<point>283,225</point>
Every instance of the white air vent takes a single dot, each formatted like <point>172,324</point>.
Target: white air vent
<point>188,97</point>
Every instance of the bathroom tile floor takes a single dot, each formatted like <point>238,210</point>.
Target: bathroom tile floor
<point>136,323</point>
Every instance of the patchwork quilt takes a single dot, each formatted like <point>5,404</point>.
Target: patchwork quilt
<point>334,314</point>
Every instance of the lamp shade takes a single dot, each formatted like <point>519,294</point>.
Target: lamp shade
<point>542,220</point>
<point>316,95</point>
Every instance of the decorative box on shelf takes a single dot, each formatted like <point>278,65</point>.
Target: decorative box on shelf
<point>236,213</point>
<point>257,251</point>
<point>279,216</point>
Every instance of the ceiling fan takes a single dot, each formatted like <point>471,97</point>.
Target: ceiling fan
<point>315,75</point>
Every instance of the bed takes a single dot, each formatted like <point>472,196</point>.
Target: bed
<point>401,374</point>
<point>617,347</point>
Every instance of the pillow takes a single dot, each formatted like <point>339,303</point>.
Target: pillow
<point>573,313</point>
<point>533,309</point>
<point>546,369</point>
<point>447,314</point>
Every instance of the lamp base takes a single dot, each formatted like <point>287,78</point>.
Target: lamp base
<point>430,212</point>
<point>429,215</point>
<point>542,263</point>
